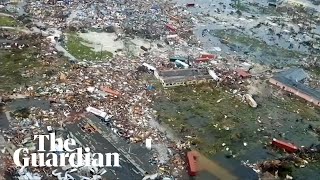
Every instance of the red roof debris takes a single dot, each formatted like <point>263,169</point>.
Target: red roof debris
<point>110,91</point>
<point>242,73</point>
<point>171,27</point>
<point>202,60</point>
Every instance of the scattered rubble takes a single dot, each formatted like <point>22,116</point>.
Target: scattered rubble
<point>144,38</point>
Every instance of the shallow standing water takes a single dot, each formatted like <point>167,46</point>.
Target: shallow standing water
<point>279,118</point>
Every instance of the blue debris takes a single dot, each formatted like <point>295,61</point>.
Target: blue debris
<point>151,88</point>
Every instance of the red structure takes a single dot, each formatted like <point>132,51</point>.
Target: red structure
<point>171,27</point>
<point>298,93</point>
<point>192,163</point>
<point>205,58</point>
<point>202,60</point>
<point>110,91</point>
<point>290,148</point>
<point>210,56</point>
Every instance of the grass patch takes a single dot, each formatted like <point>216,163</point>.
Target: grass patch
<point>268,11</point>
<point>316,71</point>
<point>19,67</point>
<point>255,45</point>
<point>215,117</point>
<point>300,106</point>
<point>13,64</point>
<point>76,46</point>
<point>195,111</point>
<point>240,6</point>
<point>7,21</point>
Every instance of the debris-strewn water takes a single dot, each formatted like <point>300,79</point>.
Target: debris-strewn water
<point>261,33</point>
<point>26,103</point>
<point>264,36</point>
<point>229,127</point>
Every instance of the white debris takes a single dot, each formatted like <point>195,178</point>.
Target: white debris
<point>148,143</point>
<point>250,100</point>
<point>91,89</point>
<point>219,100</point>
<point>149,66</point>
<point>213,75</point>
<point>96,111</point>
<point>289,177</point>
<point>153,176</point>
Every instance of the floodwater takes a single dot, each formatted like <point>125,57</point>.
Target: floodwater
<point>19,104</point>
<point>234,124</point>
<point>212,30</point>
<point>219,167</point>
<point>27,103</point>
<point>261,33</point>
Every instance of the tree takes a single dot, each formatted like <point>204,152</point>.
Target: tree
<point>237,4</point>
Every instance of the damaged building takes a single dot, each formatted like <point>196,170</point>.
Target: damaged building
<point>292,81</point>
<point>180,77</point>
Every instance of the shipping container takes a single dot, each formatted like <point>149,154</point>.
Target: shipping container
<point>210,56</point>
<point>192,163</point>
<point>202,60</point>
<point>96,112</point>
<point>284,145</point>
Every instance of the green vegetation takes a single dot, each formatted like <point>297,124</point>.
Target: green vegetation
<point>265,10</point>
<point>240,6</point>
<point>214,117</point>
<point>210,112</point>
<point>78,48</point>
<point>7,21</point>
<point>13,64</point>
<point>268,11</point>
<point>316,71</point>
<point>255,45</point>
<point>300,106</point>
<point>19,67</point>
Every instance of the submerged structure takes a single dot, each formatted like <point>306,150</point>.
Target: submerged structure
<point>180,77</point>
<point>292,81</point>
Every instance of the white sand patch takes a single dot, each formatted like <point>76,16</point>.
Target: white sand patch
<point>98,40</point>
<point>102,40</point>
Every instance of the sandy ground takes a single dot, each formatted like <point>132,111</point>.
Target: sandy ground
<point>107,42</point>
<point>103,40</point>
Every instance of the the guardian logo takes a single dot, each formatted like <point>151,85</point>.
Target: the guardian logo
<point>60,152</point>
